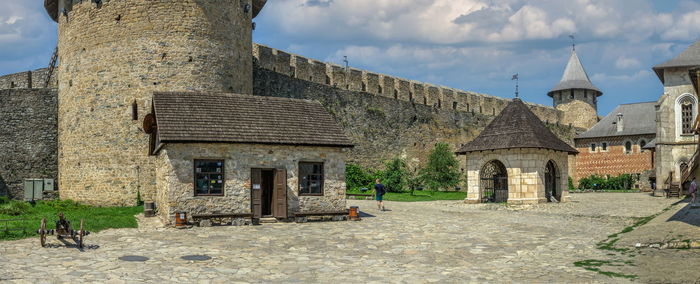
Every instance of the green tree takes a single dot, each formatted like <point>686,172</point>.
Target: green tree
<point>356,177</point>
<point>442,169</point>
<point>395,175</point>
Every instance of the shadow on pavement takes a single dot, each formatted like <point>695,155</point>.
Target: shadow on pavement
<point>689,214</point>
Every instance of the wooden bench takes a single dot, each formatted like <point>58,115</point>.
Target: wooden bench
<point>221,217</point>
<point>363,195</point>
<point>302,217</point>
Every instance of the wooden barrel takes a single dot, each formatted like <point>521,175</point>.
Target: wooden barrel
<point>354,213</point>
<point>180,219</point>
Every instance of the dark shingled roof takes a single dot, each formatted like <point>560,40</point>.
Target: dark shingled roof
<point>574,77</point>
<point>688,58</point>
<point>637,119</point>
<point>651,145</point>
<point>232,118</point>
<point>516,127</point>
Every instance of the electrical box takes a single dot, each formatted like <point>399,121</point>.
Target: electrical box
<point>34,188</point>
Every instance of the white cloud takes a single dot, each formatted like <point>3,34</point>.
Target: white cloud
<point>626,78</point>
<point>627,63</point>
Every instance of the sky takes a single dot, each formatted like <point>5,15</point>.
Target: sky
<point>474,45</point>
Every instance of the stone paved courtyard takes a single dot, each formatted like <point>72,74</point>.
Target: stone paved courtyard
<point>446,242</point>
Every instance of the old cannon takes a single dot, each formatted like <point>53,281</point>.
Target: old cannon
<point>63,230</point>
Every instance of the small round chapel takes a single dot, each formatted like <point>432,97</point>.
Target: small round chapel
<point>517,160</point>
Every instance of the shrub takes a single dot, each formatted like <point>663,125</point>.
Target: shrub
<point>356,177</point>
<point>14,208</point>
<point>4,199</point>
<point>571,184</point>
<point>442,170</point>
<point>621,182</point>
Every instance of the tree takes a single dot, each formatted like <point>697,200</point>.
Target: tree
<point>356,177</point>
<point>442,169</point>
<point>394,176</point>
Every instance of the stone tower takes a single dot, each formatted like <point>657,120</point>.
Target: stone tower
<point>576,96</point>
<point>112,56</point>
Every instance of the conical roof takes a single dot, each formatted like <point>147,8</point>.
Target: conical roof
<point>516,127</point>
<point>575,77</point>
<point>690,57</point>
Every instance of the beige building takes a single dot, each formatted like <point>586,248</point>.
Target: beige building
<point>676,111</point>
<point>576,96</point>
<point>517,160</point>
<point>232,154</point>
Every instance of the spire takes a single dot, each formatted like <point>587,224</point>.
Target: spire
<point>575,77</point>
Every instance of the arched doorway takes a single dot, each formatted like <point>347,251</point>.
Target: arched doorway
<point>494,182</point>
<point>551,182</point>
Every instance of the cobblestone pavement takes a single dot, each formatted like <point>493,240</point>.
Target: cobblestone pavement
<point>446,242</point>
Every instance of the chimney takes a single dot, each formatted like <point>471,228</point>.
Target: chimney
<point>620,123</point>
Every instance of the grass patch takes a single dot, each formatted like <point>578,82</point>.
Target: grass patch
<point>420,195</point>
<point>96,218</point>
<point>595,265</point>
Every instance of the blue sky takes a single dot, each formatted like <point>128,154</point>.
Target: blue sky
<point>475,45</point>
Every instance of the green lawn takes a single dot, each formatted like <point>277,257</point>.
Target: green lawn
<point>421,195</point>
<point>96,218</point>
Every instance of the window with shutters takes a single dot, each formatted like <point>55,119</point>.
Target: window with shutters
<point>310,178</point>
<point>209,177</point>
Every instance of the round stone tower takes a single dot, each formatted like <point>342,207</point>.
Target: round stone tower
<point>112,56</point>
<point>576,96</point>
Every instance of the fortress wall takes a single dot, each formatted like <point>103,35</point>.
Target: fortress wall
<point>34,79</point>
<point>382,127</point>
<point>28,137</point>
<point>388,86</point>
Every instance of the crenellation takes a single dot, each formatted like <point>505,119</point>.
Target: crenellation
<point>419,95</point>
<point>302,68</point>
<point>337,75</point>
<point>371,81</point>
<point>355,82</point>
<point>318,73</point>
<point>283,63</point>
<point>403,88</point>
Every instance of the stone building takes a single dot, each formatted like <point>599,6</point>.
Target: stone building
<point>576,96</point>
<point>517,160</point>
<point>233,154</point>
<point>676,110</point>
<point>617,145</point>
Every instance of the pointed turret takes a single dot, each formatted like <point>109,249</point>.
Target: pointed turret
<point>576,96</point>
<point>575,77</point>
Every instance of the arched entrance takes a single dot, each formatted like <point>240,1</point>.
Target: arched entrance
<point>494,182</point>
<point>551,182</point>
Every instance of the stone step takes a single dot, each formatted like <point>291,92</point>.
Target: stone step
<point>268,220</point>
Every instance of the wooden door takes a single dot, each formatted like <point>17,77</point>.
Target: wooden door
<point>279,194</point>
<point>256,192</point>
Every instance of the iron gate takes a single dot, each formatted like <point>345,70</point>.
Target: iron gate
<point>494,182</point>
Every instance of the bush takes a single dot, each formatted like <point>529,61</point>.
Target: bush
<point>442,170</point>
<point>14,208</point>
<point>621,182</point>
<point>571,184</point>
<point>4,199</point>
<point>356,177</point>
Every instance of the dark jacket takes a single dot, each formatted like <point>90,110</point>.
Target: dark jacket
<point>379,189</point>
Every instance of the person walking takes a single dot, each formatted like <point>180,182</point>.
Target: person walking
<point>693,190</point>
<point>379,192</point>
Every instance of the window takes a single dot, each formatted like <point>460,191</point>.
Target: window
<point>687,116</point>
<point>364,87</point>
<point>425,101</point>
<point>454,105</point>
<point>396,94</point>
<point>380,89</point>
<point>593,146</point>
<point>209,177</point>
<point>604,146</point>
<point>628,147</point>
<point>572,94</point>
<point>310,178</point>
<point>642,143</point>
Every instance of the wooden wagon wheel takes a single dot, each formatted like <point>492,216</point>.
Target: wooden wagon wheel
<point>81,234</point>
<point>42,232</point>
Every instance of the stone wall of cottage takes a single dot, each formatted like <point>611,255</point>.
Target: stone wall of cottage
<point>614,160</point>
<point>175,177</point>
<point>113,55</point>
<point>27,138</point>
<point>526,174</point>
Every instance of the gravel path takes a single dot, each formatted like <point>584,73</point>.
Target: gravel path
<point>446,242</point>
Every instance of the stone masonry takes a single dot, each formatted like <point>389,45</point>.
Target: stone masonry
<point>113,56</point>
<point>526,174</point>
<point>27,138</point>
<point>175,177</point>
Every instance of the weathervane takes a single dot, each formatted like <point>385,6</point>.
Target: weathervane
<point>517,81</point>
<point>573,42</point>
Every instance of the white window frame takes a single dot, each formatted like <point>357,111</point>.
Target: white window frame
<point>639,143</point>
<point>592,150</point>
<point>624,147</point>
<point>679,113</point>
<point>607,148</point>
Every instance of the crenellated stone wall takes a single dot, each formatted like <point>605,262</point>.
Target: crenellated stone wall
<point>419,93</point>
<point>28,137</point>
<point>35,79</point>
